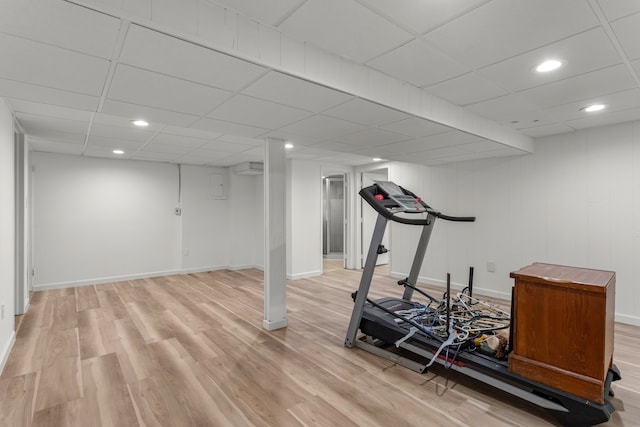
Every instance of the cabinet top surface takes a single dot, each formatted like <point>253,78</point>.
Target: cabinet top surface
<point>563,274</point>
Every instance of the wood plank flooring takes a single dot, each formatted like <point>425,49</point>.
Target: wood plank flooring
<point>189,350</point>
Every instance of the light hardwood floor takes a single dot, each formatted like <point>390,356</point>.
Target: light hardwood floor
<point>189,350</point>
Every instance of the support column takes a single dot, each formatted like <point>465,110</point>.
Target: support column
<point>275,277</point>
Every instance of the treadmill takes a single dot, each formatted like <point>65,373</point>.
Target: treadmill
<point>444,330</point>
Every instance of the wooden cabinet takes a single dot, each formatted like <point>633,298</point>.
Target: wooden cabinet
<point>563,320</point>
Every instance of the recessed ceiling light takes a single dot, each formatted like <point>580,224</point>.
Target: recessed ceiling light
<point>288,146</point>
<point>593,108</point>
<point>140,122</point>
<point>377,159</point>
<point>548,65</point>
<point>118,152</point>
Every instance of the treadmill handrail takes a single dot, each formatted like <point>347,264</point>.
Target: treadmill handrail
<point>381,206</point>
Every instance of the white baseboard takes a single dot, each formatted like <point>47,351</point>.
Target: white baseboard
<point>7,351</point>
<point>101,280</point>
<point>629,320</point>
<point>245,267</point>
<point>304,275</point>
<point>202,269</point>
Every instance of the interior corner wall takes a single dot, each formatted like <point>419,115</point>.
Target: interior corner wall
<point>7,233</point>
<point>206,224</point>
<point>574,201</point>
<point>304,225</point>
<point>100,220</point>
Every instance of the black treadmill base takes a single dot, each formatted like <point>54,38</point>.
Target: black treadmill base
<point>382,326</point>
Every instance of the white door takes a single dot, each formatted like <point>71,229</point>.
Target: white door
<point>369,217</point>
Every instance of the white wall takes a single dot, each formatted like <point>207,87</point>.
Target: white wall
<point>101,220</point>
<point>98,220</point>
<point>205,220</point>
<point>575,201</point>
<point>7,233</point>
<point>304,222</point>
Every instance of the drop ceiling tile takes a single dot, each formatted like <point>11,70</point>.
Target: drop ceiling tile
<point>626,30</point>
<point>416,127</point>
<point>128,133</point>
<point>582,53</point>
<point>348,159</point>
<point>142,87</point>
<point>227,127</point>
<point>114,143</point>
<point>47,110</point>
<point>45,95</point>
<point>438,153</point>
<point>61,24</point>
<point>356,32</point>
<point>467,89</point>
<point>193,133</point>
<point>242,140</point>
<point>505,108</point>
<point>605,119</point>
<point>545,130</point>
<point>366,113</point>
<point>268,12</point>
<point>55,135</point>
<point>446,139</point>
<point>336,146</point>
<point>39,125</point>
<point>293,138</point>
<point>582,87</point>
<point>419,64</point>
<point>179,15</point>
<point>153,115</point>
<point>175,149</point>
<point>420,15</point>
<point>372,137</point>
<point>38,144</point>
<point>23,61</point>
<point>624,100</point>
<point>177,140</point>
<point>477,41</point>
<point>164,54</point>
<point>257,112</point>
<point>230,147</point>
<point>295,92</point>
<point>614,9</point>
<point>323,127</point>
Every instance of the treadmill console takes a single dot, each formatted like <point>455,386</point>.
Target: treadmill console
<point>406,202</point>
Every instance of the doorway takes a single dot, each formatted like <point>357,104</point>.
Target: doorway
<point>333,222</point>
<point>369,217</point>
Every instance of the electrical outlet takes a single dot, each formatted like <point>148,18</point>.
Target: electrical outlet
<point>491,266</point>
<point>178,211</point>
